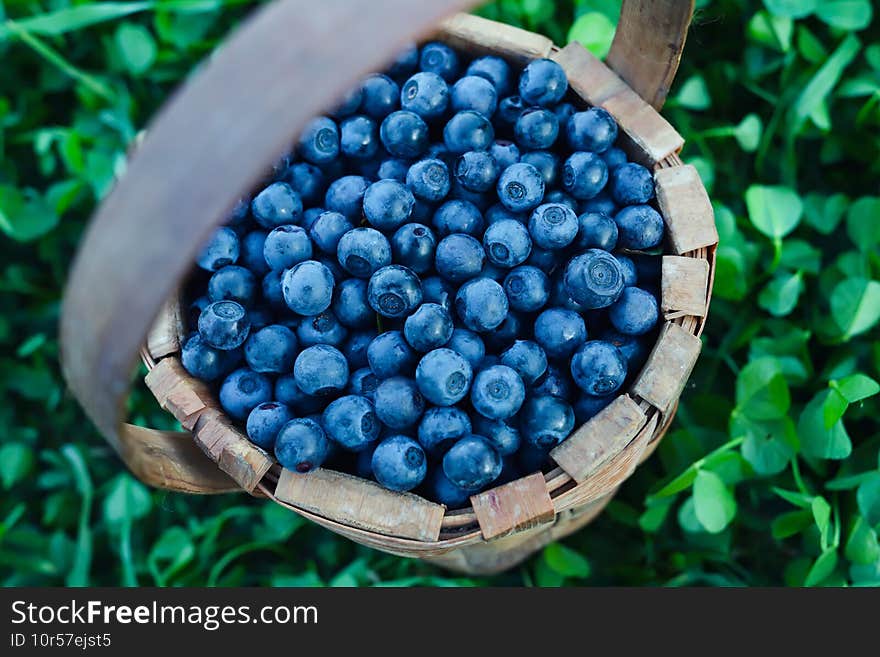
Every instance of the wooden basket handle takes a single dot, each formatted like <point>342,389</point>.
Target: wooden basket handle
<point>213,140</point>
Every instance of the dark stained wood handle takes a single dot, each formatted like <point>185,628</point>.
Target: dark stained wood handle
<point>216,137</point>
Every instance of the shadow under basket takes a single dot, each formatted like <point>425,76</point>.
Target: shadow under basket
<point>504,525</point>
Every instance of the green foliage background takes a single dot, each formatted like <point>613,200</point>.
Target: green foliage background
<point>770,474</point>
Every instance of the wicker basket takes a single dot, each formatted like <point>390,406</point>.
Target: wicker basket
<point>146,233</point>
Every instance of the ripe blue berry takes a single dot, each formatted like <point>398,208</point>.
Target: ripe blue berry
<point>441,427</point>
<point>476,171</point>
<point>468,131</point>
<point>614,157</point>
<point>359,138</point>
<point>594,279</point>
<point>445,492</point>
<point>398,402</point>
<point>389,354</point>
<point>443,376</point>
<point>497,392</point>
<point>286,246</point>
<point>322,328</point>
<point>467,344</point>
<point>205,362</point>
<point>481,304</point>
<point>319,142</point>
<point>413,246</point>
<point>426,94</point>
<point>504,153</point>
<point>394,291</point>
<point>601,203</point>
<point>547,165</point>
<point>527,359</point>
<point>509,110</point>
<point>507,243</point>
<point>632,184</point>
<point>251,252</point>
<point>222,250</point>
<point>399,463</point>
<point>555,382</point>
<point>527,288</point>
<point>302,445</point>
<point>428,180</point>
<point>351,422</point>
<point>635,313</point>
<point>593,130</point>
<point>472,463</point>
<point>458,216</point>
<point>393,168</point>
<point>459,257</point>
<point>388,204</point>
<point>536,128</point>
<point>560,332</point>
<point>543,82</point>
<point>520,187</point>
<point>287,392</point>
<point>346,195</point>
<point>546,421</point>
<point>363,251</point>
<point>307,288</point>
<point>381,96</point>
<point>265,421</point>
<point>598,368</point>
<point>307,180</point>
<point>272,349</point>
<point>504,437</point>
<point>495,70</point>
<point>596,231</point>
<point>328,229</point>
<point>588,406</point>
<point>584,175</point>
<point>364,383</point>
<point>350,305</point>
<point>404,134</point>
<point>634,348</point>
<point>473,92</point>
<point>639,226</point>
<point>429,327</point>
<point>242,391</point>
<point>224,325</point>
<point>440,59</point>
<point>320,370</point>
<point>233,283</point>
<point>553,226</point>
<point>630,275</point>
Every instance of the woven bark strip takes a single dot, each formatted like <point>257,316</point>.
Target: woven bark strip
<point>684,204</point>
<point>480,36</point>
<point>668,367</point>
<point>515,506</point>
<point>185,397</point>
<point>684,285</point>
<point>165,334</point>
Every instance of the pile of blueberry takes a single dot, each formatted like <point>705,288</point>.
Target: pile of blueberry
<point>442,279</point>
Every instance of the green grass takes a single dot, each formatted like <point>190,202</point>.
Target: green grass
<point>770,473</point>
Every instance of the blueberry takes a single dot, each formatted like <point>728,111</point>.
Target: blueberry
<point>634,348</point>
<point>287,392</point>
<point>596,231</point>
<point>543,82</point>
<point>503,335</point>
<point>286,246</point>
<point>364,383</point>
<point>394,291</point>
<point>363,251</point>
<point>346,195</point>
<point>195,309</point>
<point>601,202</point>
<point>560,332</point>
<point>498,392</point>
<point>393,168</point>
<point>428,180</point>
<point>307,180</point>
<point>445,492</point>
<point>307,288</point>
<point>351,422</point>
<point>320,370</point>
<point>310,216</point>
<point>560,197</point>
<point>413,246</point>
<point>319,142</point>
<point>224,325</point>
<point>546,421</point>
<point>531,458</point>
<point>630,275</point>
<point>527,359</point>
<point>632,184</point>
<point>584,175</point>
<point>467,344</point>
<point>399,463</point>
<point>459,257</point>
<point>350,305</point>
<point>594,279</point>
<point>328,229</point>
<point>355,349</point>
<point>553,226</point>
<point>404,134</point>
<point>614,157</point>
<point>507,243</point>
<point>426,94</point>
<point>251,248</point>
<point>495,69</point>
<point>509,110</point>
<point>527,288</point>
<point>588,406</point>
<point>381,96</point>
<point>504,153</point>
<point>502,436</point>
<point>272,293</point>
<point>481,304</point>
<point>242,391</point>
<point>205,362</point>
<point>406,62</point>
<point>349,104</point>
<point>388,204</point>
<point>543,259</point>
<point>598,368</point>
<point>399,404</point>
<point>265,421</point>
<point>239,212</point>
<point>233,283</point>
<point>429,327</point>
<point>593,130</point>
<point>536,128</point>
<point>221,250</point>
<point>272,349</point>
<point>546,163</point>
<point>443,376</point>
<point>498,212</point>
<point>635,313</point>
<point>436,290</point>
<point>302,445</point>
<point>554,382</point>
<point>474,92</point>
<point>322,328</point>
<point>472,463</point>
<point>468,131</point>
<point>359,138</point>
<point>440,59</point>
<point>563,112</point>
<point>389,354</point>
<point>441,427</point>
<point>458,217</point>
<point>639,226</point>
<point>520,187</point>
<point>560,297</point>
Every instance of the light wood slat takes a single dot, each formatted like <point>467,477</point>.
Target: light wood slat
<point>668,368</point>
<point>683,285</point>
<point>515,506</point>
<point>686,208</point>
<point>479,35</point>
